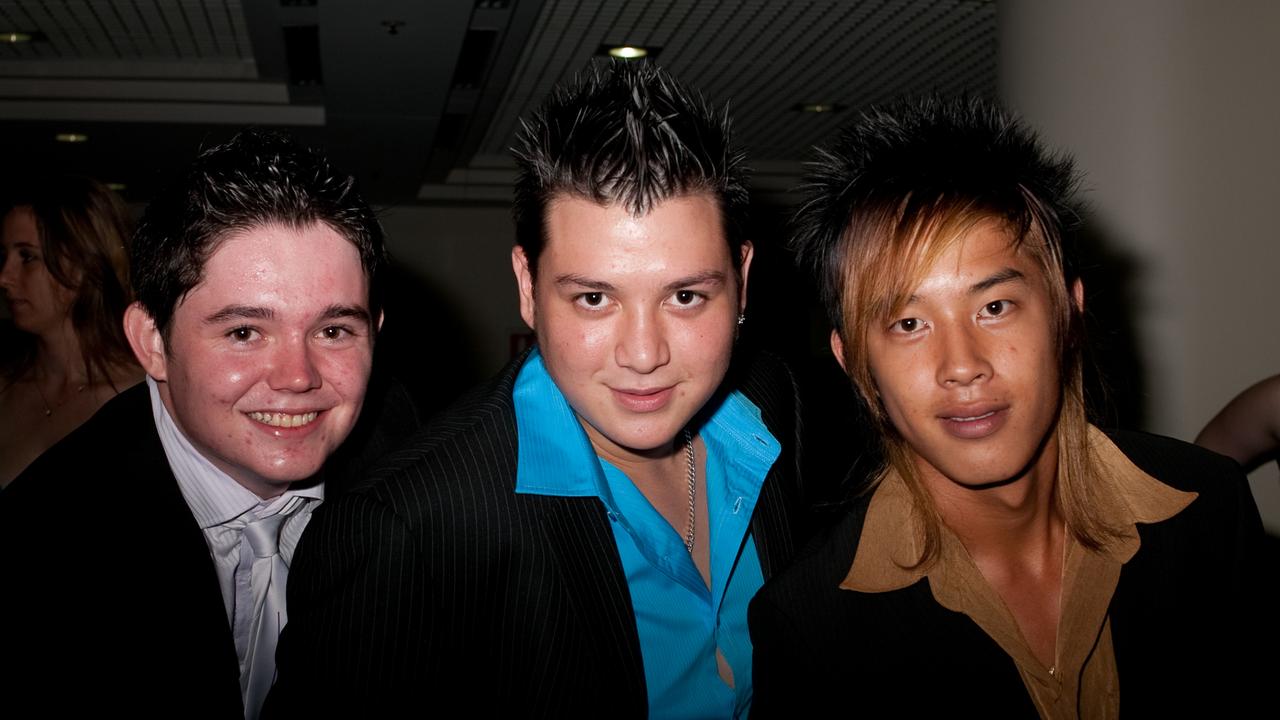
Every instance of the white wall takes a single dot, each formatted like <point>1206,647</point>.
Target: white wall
<point>1172,111</point>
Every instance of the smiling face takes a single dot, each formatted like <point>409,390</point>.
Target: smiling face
<point>267,359</point>
<point>635,316</point>
<point>39,303</point>
<point>968,369</point>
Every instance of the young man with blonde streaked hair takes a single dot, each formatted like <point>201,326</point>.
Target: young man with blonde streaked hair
<point>1010,559</point>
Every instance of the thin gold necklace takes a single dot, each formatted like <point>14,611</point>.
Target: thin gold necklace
<point>48,407</point>
<point>1062,595</point>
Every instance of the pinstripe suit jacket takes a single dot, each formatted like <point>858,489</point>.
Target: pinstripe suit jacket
<point>436,586</point>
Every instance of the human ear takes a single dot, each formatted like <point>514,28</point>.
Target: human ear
<point>524,282</point>
<point>748,252</point>
<point>1077,294</point>
<point>837,349</point>
<point>146,341</point>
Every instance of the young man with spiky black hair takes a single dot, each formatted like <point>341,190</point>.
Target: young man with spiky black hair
<point>581,536</point>
<point>1011,559</point>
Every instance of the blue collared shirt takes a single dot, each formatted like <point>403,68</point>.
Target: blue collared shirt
<point>679,620</point>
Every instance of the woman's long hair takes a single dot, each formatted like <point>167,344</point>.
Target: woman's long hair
<point>83,228</point>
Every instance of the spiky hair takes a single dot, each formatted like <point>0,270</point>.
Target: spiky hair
<point>902,160</point>
<point>896,190</point>
<point>626,133</point>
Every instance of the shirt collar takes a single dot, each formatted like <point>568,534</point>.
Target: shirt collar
<point>893,538</point>
<point>552,443</point>
<point>213,496</point>
<point>738,436</point>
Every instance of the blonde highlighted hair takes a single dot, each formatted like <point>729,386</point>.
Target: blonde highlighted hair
<point>899,189</point>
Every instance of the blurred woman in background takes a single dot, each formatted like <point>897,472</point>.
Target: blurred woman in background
<point>64,275</point>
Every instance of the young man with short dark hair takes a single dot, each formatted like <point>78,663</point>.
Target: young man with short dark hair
<point>581,536</point>
<point>146,555</point>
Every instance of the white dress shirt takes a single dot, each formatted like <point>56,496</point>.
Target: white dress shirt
<point>222,507</point>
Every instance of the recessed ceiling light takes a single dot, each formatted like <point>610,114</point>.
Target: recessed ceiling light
<point>628,52</point>
<point>17,37</point>
<point>71,137</point>
<point>817,107</point>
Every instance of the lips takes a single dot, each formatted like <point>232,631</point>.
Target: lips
<point>643,399</point>
<point>974,421</point>
<point>284,420</point>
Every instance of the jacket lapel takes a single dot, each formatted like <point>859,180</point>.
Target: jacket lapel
<point>581,541</point>
<point>185,619</point>
<point>771,525</point>
<point>761,380</point>
<point>579,536</point>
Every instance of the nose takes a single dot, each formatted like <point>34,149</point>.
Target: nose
<point>8,273</point>
<point>643,344</point>
<point>293,369</point>
<point>964,358</point>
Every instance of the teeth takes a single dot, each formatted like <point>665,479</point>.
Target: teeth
<point>283,419</point>
<point>975,417</point>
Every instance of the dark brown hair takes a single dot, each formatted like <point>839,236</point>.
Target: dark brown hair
<point>83,228</point>
<point>627,133</point>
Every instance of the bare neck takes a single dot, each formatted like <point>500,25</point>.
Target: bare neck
<point>1016,537</point>
<point>1018,521</point>
<point>58,358</point>
<point>637,463</point>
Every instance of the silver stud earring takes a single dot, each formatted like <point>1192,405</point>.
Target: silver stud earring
<point>742,319</point>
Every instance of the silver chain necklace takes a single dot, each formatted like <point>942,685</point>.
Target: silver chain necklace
<point>693,477</point>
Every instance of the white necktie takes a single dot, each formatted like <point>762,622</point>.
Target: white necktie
<point>267,579</point>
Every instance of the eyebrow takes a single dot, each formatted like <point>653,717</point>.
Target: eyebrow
<point>702,278</point>
<point>334,312</point>
<point>254,312</point>
<point>583,281</point>
<point>239,312</point>
<point>999,277</point>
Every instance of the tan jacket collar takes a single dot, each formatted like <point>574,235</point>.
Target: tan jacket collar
<point>892,535</point>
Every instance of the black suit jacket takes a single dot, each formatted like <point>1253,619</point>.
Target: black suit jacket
<point>436,585</point>
<point>1187,618</point>
<point>110,598</point>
